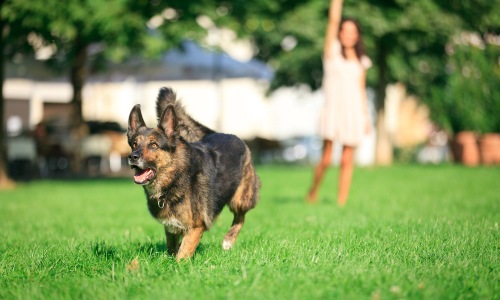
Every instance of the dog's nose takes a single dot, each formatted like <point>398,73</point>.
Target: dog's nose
<point>133,156</point>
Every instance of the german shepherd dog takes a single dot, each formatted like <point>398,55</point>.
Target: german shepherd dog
<point>189,173</point>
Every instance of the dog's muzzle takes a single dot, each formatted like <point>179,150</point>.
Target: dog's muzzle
<point>143,175</point>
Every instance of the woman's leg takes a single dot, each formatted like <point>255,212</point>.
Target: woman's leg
<point>345,178</point>
<point>320,170</point>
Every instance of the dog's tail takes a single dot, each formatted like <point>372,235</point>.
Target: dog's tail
<point>189,129</point>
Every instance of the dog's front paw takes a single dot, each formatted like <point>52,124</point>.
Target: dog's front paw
<point>226,245</point>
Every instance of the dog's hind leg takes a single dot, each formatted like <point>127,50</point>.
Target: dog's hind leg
<point>232,234</point>
<point>244,199</point>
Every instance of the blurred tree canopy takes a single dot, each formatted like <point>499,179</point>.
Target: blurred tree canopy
<point>89,33</point>
<point>406,39</point>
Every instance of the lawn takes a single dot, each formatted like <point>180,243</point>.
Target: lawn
<point>407,232</point>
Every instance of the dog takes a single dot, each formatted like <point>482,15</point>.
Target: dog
<point>189,173</point>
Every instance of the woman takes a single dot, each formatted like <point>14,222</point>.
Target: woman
<point>344,117</point>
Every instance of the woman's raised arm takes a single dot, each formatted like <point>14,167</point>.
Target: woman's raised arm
<point>332,30</point>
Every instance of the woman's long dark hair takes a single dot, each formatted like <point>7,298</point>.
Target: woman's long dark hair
<point>359,48</point>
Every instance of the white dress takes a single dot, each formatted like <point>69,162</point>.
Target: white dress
<point>342,118</point>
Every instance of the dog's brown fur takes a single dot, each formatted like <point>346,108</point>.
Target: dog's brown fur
<point>189,172</point>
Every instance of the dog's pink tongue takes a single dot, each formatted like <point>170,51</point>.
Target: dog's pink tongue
<point>142,176</point>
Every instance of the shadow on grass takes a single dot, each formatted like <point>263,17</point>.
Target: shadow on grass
<point>161,248</point>
<point>299,199</point>
<point>105,251</point>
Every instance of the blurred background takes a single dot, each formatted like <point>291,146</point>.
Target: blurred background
<point>71,71</point>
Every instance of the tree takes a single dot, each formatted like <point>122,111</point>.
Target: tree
<point>470,99</point>
<point>8,39</point>
<point>71,28</point>
<point>85,35</point>
<point>4,179</point>
<point>114,29</point>
<point>287,34</point>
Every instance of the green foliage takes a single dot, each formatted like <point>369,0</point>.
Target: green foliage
<point>117,26</point>
<point>412,232</point>
<point>403,33</point>
<point>269,24</point>
<point>407,36</point>
<point>406,39</point>
<point>471,97</point>
<point>477,15</point>
<point>86,35</point>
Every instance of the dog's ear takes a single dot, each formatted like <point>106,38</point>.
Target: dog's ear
<point>168,123</point>
<point>135,120</point>
<point>166,96</point>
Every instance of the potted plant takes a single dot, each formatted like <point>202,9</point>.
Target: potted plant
<point>469,105</point>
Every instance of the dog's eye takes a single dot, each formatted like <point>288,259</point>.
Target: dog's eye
<point>153,145</point>
<point>134,145</point>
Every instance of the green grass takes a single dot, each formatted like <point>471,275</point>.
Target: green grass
<point>407,232</point>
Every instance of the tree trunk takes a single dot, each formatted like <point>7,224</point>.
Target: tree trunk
<point>5,181</point>
<point>78,75</point>
<point>384,147</point>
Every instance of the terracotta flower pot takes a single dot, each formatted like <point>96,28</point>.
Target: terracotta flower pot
<point>489,148</point>
<point>466,150</point>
